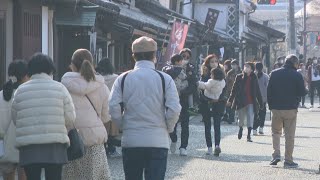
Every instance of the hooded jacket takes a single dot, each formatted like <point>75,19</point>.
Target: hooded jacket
<point>42,110</point>
<point>90,120</point>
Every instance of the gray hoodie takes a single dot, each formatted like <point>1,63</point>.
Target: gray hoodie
<point>263,84</point>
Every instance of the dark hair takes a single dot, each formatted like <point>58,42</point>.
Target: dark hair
<point>176,58</point>
<point>105,67</point>
<point>251,64</point>
<point>41,63</point>
<point>218,74</point>
<point>18,69</point>
<point>235,62</point>
<point>228,63</point>
<point>186,50</point>
<point>301,64</point>
<point>259,67</point>
<point>208,58</point>
<point>82,60</point>
<point>291,60</point>
<point>144,55</point>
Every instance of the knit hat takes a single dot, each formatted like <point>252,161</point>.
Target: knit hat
<point>144,44</point>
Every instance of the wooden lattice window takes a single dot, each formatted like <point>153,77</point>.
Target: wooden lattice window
<point>2,48</point>
<point>32,24</point>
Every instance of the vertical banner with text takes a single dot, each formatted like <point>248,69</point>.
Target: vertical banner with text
<point>177,39</point>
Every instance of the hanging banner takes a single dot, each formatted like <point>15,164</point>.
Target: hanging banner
<point>177,39</point>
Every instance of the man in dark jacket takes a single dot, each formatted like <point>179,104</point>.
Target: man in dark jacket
<point>184,95</point>
<point>285,88</point>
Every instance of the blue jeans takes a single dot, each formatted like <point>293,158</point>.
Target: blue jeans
<point>150,161</point>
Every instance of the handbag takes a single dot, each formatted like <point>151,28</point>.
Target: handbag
<point>76,149</point>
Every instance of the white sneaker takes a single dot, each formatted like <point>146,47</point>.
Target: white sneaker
<point>183,152</point>
<point>209,152</point>
<point>261,130</point>
<point>173,147</point>
<point>255,132</point>
<point>311,106</point>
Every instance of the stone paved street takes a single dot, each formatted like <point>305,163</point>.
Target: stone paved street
<point>240,159</point>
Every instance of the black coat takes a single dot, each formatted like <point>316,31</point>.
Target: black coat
<point>285,88</point>
<point>238,92</point>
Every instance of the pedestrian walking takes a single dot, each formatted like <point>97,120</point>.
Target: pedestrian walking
<point>260,117</point>
<point>186,95</point>
<point>302,70</point>
<point>106,69</point>
<point>151,108</point>
<point>212,100</point>
<point>246,98</point>
<point>18,74</point>
<point>42,110</point>
<point>314,80</point>
<point>90,96</point>
<point>285,88</point>
<point>229,115</point>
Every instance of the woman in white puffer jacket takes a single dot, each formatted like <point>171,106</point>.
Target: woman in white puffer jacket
<point>42,110</point>
<point>90,96</point>
<point>18,74</point>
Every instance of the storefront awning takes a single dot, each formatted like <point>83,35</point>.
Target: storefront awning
<point>70,17</point>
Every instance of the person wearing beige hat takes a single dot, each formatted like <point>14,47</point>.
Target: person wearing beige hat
<point>144,103</point>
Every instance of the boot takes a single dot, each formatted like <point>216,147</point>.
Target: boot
<point>240,132</point>
<point>249,134</point>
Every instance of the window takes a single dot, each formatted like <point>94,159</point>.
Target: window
<point>173,5</point>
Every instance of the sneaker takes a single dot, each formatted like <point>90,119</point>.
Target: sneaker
<point>290,165</point>
<point>275,161</point>
<point>311,106</point>
<point>114,154</point>
<point>173,147</point>
<point>217,151</point>
<point>249,139</point>
<point>303,106</point>
<point>183,152</point>
<point>209,152</point>
<point>255,132</point>
<point>261,130</point>
<point>240,133</point>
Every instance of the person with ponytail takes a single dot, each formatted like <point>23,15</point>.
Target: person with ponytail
<point>18,74</point>
<point>260,117</point>
<point>90,96</point>
<point>209,108</point>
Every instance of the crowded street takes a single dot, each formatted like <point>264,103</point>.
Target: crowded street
<point>241,160</point>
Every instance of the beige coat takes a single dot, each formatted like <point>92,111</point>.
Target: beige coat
<point>7,132</point>
<point>90,125</point>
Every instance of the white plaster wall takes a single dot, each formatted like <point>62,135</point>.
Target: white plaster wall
<point>45,30</point>
<point>165,3</point>
<point>201,10</point>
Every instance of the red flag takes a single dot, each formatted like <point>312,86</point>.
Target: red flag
<point>177,39</point>
<point>273,2</point>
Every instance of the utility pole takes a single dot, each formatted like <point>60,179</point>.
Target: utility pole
<point>305,30</point>
<point>292,29</point>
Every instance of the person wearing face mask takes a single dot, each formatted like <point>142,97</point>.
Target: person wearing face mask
<point>246,98</point>
<point>314,80</point>
<point>303,72</point>
<point>209,108</point>
<point>285,88</point>
<point>231,76</point>
<point>186,99</point>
